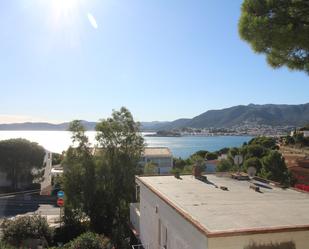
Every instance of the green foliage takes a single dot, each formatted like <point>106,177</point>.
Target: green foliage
<point>288,140</point>
<point>267,142</point>
<point>79,175</point>
<point>201,153</point>
<point>90,240</point>
<point>225,165</point>
<point>150,168</point>
<point>56,158</point>
<point>233,152</point>
<point>16,231</point>
<point>179,163</point>
<point>100,186</point>
<point>211,156</point>
<point>274,168</point>
<point>254,150</point>
<point>252,162</point>
<point>278,29</point>
<point>187,169</point>
<point>18,157</point>
<point>4,245</point>
<point>223,151</point>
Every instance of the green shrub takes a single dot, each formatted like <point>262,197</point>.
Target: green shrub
<point>17,231</point>
<point>225,165</point>
<point>4,245</point>
<point>89,240</point>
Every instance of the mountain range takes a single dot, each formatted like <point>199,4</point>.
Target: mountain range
<point>269,114</point>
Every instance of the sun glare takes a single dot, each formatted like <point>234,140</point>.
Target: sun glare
<point>64,6</point>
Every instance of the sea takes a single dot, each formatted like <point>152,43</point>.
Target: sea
<point>58,141</point>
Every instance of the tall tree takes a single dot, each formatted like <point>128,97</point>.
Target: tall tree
<point>100,182</point>
<point>279,29</point>
<point>121,146</point>
<point>18,158</point>
<point>79,176</point>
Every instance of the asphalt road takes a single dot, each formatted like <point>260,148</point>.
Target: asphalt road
<point>11,206</point>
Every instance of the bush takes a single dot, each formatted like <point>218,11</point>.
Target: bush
<point>225,165</point>
<point>16,232</point>
<point>4,245</point>
<point>89,241</point>
<point>252,162</point>
<point>211,156</point>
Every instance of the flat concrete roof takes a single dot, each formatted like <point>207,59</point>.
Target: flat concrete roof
<point>240,210</point>
<point>157,152</point>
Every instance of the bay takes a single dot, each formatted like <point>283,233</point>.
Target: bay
<point>58,141</point>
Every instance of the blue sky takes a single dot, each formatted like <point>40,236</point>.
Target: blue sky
<point>67,59</point>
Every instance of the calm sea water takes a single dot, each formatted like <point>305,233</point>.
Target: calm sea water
<point>57,141</point>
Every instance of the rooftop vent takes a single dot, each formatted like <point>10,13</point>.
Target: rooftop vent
<point>240,176</point>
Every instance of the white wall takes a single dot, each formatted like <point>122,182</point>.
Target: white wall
<point>180,233</point>
<point>301,240</point>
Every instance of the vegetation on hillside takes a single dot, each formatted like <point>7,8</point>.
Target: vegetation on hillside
<point>298,139</point>
<point>262,154</point>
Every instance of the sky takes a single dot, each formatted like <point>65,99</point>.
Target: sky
<point>79,59</point>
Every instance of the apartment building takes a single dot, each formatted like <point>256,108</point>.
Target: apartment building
<point>162,157</point>
<point>218,212</point>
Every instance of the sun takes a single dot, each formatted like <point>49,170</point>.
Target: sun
<point>64,7</point>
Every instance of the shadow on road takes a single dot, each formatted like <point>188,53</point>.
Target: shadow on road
<point>21,204</point>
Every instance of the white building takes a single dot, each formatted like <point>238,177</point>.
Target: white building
<point>187,213</point>
<point>161,156</point>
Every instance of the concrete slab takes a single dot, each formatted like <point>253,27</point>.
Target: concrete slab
<point>239,208</point>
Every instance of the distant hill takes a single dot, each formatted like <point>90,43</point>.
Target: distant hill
<point>29,126</point>
<point>270,114</point>
<point>274,115</point>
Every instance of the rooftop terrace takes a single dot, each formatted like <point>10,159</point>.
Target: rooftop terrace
<point>240,209</point>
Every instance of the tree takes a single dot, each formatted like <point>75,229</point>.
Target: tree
<point>79,177</point>
<point>252,162</point>
<point>19,158</point>
<point>225,165</point>
<point>211,156</point>
<point>254,150</point>
<point>150,168</point>
<point>201,153</point>
<point>274,168</point>
<point>121,148</point>
<point>179,163</point>
<point>267,142</point>
<point>100,183</point>
<point>233,152</point>
<point>16,232</point>
<point>90,240</point>
<point>279,29</point>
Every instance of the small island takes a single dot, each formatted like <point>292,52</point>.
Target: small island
<point>164,133</point>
